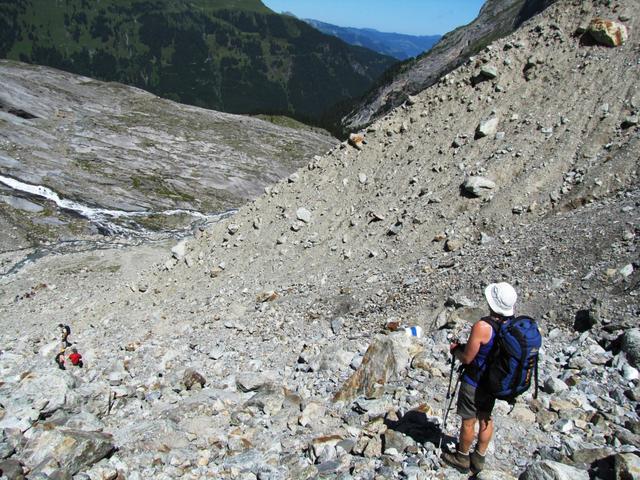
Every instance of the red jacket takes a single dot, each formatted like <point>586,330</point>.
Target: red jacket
<point>75,358</point>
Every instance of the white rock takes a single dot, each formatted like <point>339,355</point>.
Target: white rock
<point>180,250</point>
<point>303,215</point>
<point>487,127</point>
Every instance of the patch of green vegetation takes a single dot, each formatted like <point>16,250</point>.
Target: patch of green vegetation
<point>87,165</point>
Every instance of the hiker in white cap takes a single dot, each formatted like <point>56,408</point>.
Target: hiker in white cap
<point>475,403</point>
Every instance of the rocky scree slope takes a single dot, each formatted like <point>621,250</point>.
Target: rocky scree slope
<point>496,19</point>
<point>234,56</point>
<point>115,147</point>
<point>272,310</point>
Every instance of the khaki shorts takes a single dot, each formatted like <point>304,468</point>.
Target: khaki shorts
<point>474,402</point>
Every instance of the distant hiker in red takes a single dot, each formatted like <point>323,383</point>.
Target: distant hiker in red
<point>76,358</point>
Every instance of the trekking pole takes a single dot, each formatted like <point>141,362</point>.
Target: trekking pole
<point>449,399</point>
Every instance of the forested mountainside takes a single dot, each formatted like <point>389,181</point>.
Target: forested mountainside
<point>234,56</point>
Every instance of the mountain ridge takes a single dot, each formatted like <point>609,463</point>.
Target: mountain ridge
<point>496,19</point>
<point>397,45</point>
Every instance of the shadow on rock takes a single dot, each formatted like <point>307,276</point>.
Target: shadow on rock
<point>417,425</point>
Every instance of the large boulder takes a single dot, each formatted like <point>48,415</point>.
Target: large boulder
<point>67,449</point>
<point>631,346</point>
<point>627,466</point>
<point>388,356</point>
<point>478,186</point>
<point>549,470</point>
<point>608,32</point>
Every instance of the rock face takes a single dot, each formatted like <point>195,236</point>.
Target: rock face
<point>608,32</point>
<point>497,18</point>
<point>126,150</point>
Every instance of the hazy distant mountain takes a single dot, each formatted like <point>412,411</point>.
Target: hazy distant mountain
<point>231,55</point>
<point>397,45</point>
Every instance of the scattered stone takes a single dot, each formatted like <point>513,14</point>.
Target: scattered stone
<point>555,385</point>
<point>478,186</point>
<point>337,325</point>
<point>250,381</point>
<point>607,32</point>
<point>303,215</point>
<point>489,72</point>
<point>179,250</point>
<point>312,413</point>
<point>630,121</point>
<point>356,140</point>
<point>193,379</point>
<point>233,228</point>
<point>453,245</point>
<point>268,296</point>
<point>487,128</point>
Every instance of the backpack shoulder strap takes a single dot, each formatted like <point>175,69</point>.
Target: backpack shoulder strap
<point>495,325</point>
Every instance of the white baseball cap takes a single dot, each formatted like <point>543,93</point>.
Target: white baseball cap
<point>502,298</point>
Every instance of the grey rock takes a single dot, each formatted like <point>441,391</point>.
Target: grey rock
<point>487,128</point>
<point>396,442</point>
<point>73,450</point>
<point>192,379</point>
<point>337,324</point>
<point>627,466</point>
<point>489,71</point>
<point>555,385</point>
<point>631,346</point>
<point>12,470</point>
<point>303,215</point>
<point>179,250</point>
<point>478,186</point>
<point>550,470</point>
<point>250,381</point>
<point>494,475</point>
<point>386,357</point>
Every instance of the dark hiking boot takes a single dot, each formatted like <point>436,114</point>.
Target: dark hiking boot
<point>477,462</point>
<point>457,460</point>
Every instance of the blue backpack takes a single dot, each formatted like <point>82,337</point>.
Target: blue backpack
<point>513,360</point>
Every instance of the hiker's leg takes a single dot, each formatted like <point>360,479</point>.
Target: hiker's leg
<point>467,434</point>
<point>485,432</point>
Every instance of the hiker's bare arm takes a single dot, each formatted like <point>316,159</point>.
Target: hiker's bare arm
<point>480,334</point>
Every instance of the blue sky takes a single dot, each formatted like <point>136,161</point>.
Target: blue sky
<point>415,17</point>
